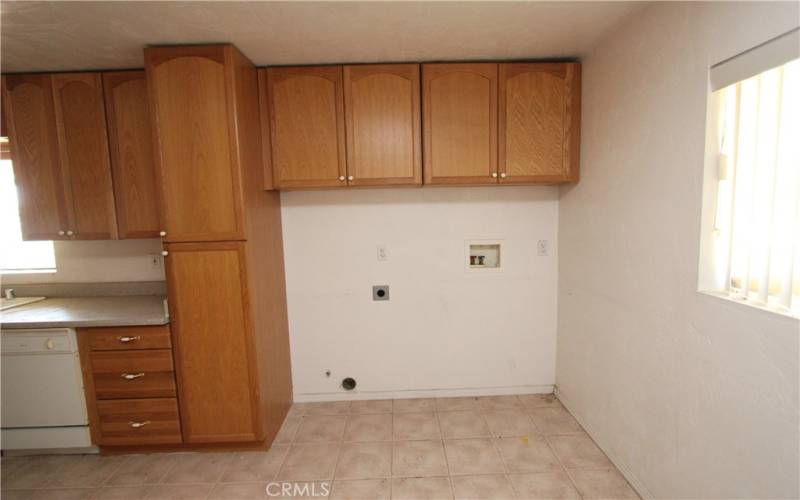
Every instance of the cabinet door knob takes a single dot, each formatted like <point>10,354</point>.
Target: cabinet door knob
<point>137,425</point>
<point>132,376</point>
<point>62,233</point>
<point>164,253</point>
<point>162,233</point>
<point>125,340</point>
<point>350,177</point>
<point>341,177</point>
<point>69,233</point>
<point>494,175</point>
<point>503,175</point>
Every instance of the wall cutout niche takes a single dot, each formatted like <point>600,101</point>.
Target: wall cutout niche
<point>483,255</point>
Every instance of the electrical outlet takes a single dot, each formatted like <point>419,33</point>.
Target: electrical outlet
<point>543,248</point>
<point>155,261</point>
<point>383,254</point>
<point>380,292</point>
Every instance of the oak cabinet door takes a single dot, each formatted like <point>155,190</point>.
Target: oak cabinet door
<point>460,123</point>
<point>130,138</point>
<point>28,111</point>
<point>199,179</point>
<point>539,122</point>
<point>212,342</point>
<point>382,105</point>
<point>306,108</point>
<point>81,126</point>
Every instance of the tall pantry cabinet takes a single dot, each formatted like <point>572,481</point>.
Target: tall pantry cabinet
<point>224,251</point>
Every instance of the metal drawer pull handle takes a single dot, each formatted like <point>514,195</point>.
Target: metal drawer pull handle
<point>125,340</point>
<point>131,376</point>
<point>137,425</point>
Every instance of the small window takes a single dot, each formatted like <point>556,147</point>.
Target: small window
<point>753,248</point>
<point>17,256</point>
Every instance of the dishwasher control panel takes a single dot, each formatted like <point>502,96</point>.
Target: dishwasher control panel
<point>47,341</point>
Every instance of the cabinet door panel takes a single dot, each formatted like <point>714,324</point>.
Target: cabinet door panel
<point>30,119</point>
<point>539,121</point>
<point>212,342</point>
<point>131,139</point>
<point>460,113</point>
<point>81,125</point>
<point>306,107</point>
<point>383,124</point>
<point>199,179</point>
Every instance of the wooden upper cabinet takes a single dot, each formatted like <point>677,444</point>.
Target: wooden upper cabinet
<point>28,109</point>
<point>130,137</point>
<point>306,110</point>
<point>539,122</point>
<point>81,126</point>
<point>460,123</point>
<point>212,342</point>
<point>382,106</point>
<point>192,103</point>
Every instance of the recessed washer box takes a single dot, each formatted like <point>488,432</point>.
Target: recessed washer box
<point>483,255</point>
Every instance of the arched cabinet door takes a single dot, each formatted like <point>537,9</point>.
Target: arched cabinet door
<point>306,121</point>
<point>28,111</point>
<point>191,100</point>
<point>539,122</point>
<point>460,123</point>
<point>382,106</point>
<point>81,125</point>
<point>130,138</point>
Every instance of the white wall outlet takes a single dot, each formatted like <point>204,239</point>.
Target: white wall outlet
<point>543,248</point>
<point>383,254</point>
<point>155,261</point>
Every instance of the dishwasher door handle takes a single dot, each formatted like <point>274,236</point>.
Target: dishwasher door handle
<point>132,376</point>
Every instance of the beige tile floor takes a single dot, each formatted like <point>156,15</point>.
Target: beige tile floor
<point>497,447</point>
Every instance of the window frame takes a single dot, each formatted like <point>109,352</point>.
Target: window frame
<point>5,155</point>
<point>716,171</point>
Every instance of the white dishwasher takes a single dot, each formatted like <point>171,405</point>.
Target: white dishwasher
<point>42,400</point>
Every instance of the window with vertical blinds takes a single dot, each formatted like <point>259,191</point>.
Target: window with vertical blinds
<point>757,218</point>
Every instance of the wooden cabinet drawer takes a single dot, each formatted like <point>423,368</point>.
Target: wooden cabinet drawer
<point>133,374</point>
<point>129,337</point>
<point>139,421</point>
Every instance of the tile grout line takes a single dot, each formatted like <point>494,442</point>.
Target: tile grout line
<point>291,440</point>
<point>391,481</point>
<point>444,451</point>
<point>563,467</point>
<point>499,452</point>
<point>340,443</point>
<point>122,462</point>
<point>339,450</point>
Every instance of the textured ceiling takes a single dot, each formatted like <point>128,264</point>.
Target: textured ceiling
<point>40,36</point>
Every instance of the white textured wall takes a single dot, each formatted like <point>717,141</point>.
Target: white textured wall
<point>99,261</point>
<point>692,396</point>
<point>444,331</point>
